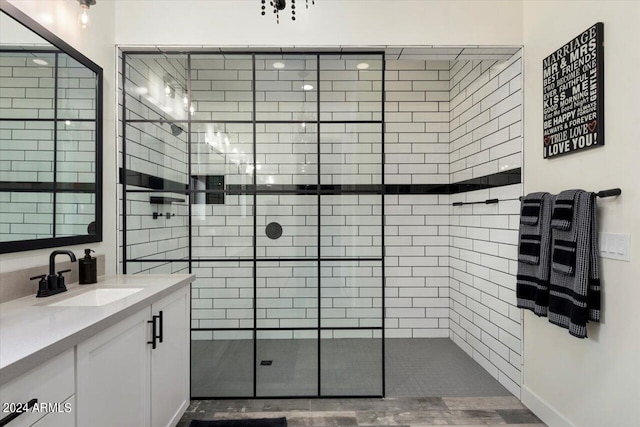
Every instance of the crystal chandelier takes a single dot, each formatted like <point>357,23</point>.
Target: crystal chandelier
<point>280,5</point>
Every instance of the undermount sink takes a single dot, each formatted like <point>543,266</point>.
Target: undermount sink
<point>96,297</point>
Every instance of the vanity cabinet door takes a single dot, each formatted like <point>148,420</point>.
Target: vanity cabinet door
<point>170,360</point>
<point>113,375</point>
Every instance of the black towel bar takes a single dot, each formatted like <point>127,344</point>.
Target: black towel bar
<point>609,193</point>
<point>485,202</point>
<point>606,193</point>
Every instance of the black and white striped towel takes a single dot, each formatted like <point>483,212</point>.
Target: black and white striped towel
<point>574,295</point>
<point>534,253</point>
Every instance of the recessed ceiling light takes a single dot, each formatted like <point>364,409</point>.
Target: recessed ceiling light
<point>363,66</point>
<point>307,87</point>
<point>278,65</point>
<point>40,61</point>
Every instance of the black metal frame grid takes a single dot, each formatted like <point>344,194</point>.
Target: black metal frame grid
<point>319,191</point>
<point>60,46</point>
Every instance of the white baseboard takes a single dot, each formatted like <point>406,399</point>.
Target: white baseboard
<point>543,409</point>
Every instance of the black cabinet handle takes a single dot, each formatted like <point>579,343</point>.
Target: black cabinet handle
<point>12,416</point>
<point>161,326</point>
<point>154,323</point>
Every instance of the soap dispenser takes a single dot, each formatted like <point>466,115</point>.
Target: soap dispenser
<point>88,268</point>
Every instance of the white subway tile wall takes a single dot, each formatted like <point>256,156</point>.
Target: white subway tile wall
<point>76,90</point>
<point>298,217</point>
<point>74,213</point>
<point>27,151</point>
<point>351,88</point>
<point>485,321</point>
<point>28,87</point>
<point>417,266</point>
<point>486,117</point>
<point>157,238</point>
<point>223,230</point>
<point>222,87</point>
<point>153,149</point>
<point>351,225</point>
<point>417,226</point>
<point>76,151</point>
<point>417,122</point>
<point>351,153</point>
<point>286,87</point>
<point>155,90</point>
<point>156,87</point>
<point>25,216</point>
<point>222,297</point>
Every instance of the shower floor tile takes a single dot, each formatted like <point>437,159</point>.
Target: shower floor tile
<point>415,367</point>
<point>435,367</point>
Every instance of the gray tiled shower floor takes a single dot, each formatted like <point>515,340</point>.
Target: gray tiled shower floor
<point>414,367</point>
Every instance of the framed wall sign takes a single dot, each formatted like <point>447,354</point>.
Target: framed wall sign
<point>573,95</point>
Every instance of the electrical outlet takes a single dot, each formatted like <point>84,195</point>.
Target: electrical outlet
<point>615,246</point>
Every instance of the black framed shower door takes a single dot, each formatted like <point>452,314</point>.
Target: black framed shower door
<point>290,284</point>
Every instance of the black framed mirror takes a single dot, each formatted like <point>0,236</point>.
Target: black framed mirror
<point>50,138</point>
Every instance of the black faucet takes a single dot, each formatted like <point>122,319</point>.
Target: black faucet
<point>52,284</point>
<point>52,260</point>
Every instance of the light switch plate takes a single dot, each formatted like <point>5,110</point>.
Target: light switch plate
<point>615,246</point>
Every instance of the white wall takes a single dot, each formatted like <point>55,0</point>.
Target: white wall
<point>329,22</point>
<point>97,43</point>
<point>592,382</point>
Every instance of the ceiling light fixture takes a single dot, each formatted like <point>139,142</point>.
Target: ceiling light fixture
<point>83,18</point>
<point>362,66</point>
<point>278,65</point>
<point>40,61</point>
<point>279,5</point>
<point>307,87</point>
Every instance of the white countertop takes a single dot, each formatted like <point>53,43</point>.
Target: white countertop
<point>32,332</point>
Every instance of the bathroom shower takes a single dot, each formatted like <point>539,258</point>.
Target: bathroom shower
<point>283,220</point>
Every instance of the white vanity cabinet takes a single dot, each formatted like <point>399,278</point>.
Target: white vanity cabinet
<point>124,381</point>
<point>89,363</point>
<point>114,375</point>
<point>170,360</point>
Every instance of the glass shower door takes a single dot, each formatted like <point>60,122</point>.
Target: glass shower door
<point>273,165</point>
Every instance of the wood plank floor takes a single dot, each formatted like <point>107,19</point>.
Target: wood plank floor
<point>396,412</point>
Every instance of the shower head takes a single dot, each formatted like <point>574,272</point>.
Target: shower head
<point>175,129</point>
